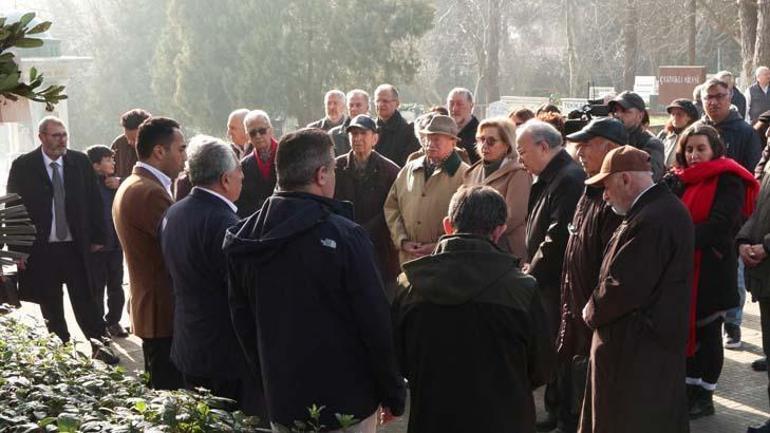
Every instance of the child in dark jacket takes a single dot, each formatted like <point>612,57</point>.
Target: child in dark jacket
<point>106,264</point>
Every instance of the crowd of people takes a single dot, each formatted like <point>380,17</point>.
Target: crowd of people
<point>468,261</point>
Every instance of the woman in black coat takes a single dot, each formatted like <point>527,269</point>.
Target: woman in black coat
<point>720,194</point>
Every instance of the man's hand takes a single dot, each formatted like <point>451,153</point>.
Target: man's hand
<point>112,182</point>
<point>410,247</point>
<point>386,416</point>
<point>752,255</point>
<point>425,249</point>
<point>525,268</point>
<point>96,247</point>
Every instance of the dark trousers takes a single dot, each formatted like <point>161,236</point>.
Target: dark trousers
<point>764,315</point>
<point>57,264</point>
<point>564,394</point>
<point>107,271</point>
<point>157,363</point>
<point>706,363</point>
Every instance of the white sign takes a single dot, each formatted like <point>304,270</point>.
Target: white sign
<point>499,108</point>
<point>645,86</point>
<point>569,105</point>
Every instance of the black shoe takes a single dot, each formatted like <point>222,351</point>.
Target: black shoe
<point>764,428</point>
<point>732,336</point>
<point>692,394</point>
<point>548,424</point>
<point>104,353</point>
<point>703,404</point>
<point>117,331</point>
<point>759,364</point>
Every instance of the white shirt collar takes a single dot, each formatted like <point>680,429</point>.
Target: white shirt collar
<point>220,196</point>
<point>48,160</point>
<point>164,180</point>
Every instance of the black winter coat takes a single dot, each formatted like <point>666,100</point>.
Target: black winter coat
<point>256,189</point>
<point>309,309</point>
<point>552,202</point>
<point>643,139</point>
<point>468,139</point>
<point>397,140</point>
<point>472,339</point>
<point>742,143</point>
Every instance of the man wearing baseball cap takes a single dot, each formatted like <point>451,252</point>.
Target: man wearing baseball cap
<point>639,309</point>
<point>364,178</point>
<point>629,108</point>
<point>590,232</point>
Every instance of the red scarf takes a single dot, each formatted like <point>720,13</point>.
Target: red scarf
<point>700,188</point>
<point>266,166</point>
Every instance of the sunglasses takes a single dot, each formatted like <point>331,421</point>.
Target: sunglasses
<point>487,140</point>
<point>260,131</point>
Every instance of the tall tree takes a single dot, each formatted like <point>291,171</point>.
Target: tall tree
<point>692,30</point>
<point>630,41</point>
<point>747,13</point>
<point>762,45</point>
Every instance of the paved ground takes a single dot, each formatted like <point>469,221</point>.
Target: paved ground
<point>741,397</point>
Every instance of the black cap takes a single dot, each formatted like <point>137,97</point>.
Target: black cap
<point>764,117</point>
<point>364,122</point>
<point>607,127</point>
<point>627,100</point>
<point>686,105</point>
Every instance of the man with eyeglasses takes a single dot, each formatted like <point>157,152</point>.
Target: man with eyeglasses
<point>397,140</point>
<point>629,108</point>
<point>744,146</point>
<point>59,188</point>
<point>259,166</point>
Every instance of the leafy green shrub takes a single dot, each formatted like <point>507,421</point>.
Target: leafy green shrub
<point>46,386</point>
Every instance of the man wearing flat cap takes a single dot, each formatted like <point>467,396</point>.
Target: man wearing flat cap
<point>629,108</point>
<point>590,232</point>
<point>418,200</point>
<point>364,177</point>
<point>639,309</point>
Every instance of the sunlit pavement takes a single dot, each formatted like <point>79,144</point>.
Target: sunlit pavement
<point>740,399</point>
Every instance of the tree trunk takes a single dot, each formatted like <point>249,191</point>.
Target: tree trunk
<point>762,45</point>
<point>492,81</point>
<point>691,31</point>
<point>571,55</point>
<point>630,44</point>
<point>747,17</point>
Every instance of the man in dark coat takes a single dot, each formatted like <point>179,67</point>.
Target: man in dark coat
<point>306,298</point>
<point>259,165</point>
<point>758,95</point>
<point>334,109</point>
<point>364,178</point>
<point>639,316</point>
<point>743,145</point>
<point>470,331</point>
<point>59,188</point>
<point>397,140</point>
<point>459,102</point>
<point>590,232</point>
<point>629,108</point>
<point>124,145</point>
<point>552,202</point>
<point>358,103</point>
<point>204,346</point>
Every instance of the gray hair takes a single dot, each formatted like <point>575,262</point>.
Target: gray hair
<point>760,70</point>
<point>239,113</point>
<point>42,126</point>
<point>335,94</point>
<point>209,158</point>
<point>713,82</point>
<point>358,92</point>
<point>461,91</point>
<point>257,114</point>
<point>541,131</point>
<point>477,209</point>
<point>300,154</point>
<point>389,87</point>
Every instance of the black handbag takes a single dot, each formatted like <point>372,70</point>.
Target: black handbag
<point>9,290</point>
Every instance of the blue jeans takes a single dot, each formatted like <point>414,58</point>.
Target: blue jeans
<point>735,316</point>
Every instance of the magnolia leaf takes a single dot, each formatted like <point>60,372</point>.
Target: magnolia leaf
<point>40,28</point>
<point>32,73</point>
<point>29,43</point>
<point>26,18</point>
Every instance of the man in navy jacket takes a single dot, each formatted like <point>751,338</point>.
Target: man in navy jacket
<point>307,299</point>
<point>204,347</point>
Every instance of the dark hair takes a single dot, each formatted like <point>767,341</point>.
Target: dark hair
<point>300,154</point>
<point>715,142</point>
<point>155,131</point>
<point>554,118</point>
<point>132,119</point>
<point>547,108</point>
<point>439,109</point>
<point>97,152</point>
<point>477,209</point>
<point>522,114</point>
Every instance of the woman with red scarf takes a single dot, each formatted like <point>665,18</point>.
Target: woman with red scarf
<point>720,195</point>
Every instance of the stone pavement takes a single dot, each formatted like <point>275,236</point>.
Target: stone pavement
<point>740,399</point>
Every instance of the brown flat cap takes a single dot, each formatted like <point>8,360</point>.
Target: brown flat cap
<point>441,124</point>
<point>623,158</point>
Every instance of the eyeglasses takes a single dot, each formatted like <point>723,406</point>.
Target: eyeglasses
<point>716,97</point>
<point>58,135</point>
<point>487,140</point>
<point>260,131</point>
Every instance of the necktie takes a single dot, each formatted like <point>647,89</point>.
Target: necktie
<point>58,203</point>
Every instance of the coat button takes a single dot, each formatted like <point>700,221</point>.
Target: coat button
<point>418,223</point>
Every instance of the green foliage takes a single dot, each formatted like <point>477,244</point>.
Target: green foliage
<point>47,386</point>
<point>17,35</point>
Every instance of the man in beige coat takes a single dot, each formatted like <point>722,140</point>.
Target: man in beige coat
<point>419,198</point>
<point>138,209</point>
